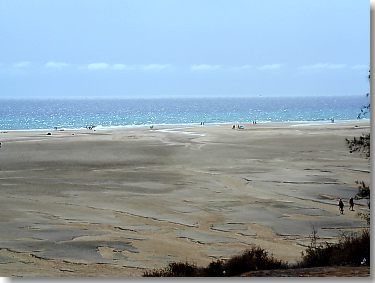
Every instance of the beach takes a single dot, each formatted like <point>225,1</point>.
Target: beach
<point>117,202</point>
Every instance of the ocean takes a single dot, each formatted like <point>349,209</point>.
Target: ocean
<point>28,114</point>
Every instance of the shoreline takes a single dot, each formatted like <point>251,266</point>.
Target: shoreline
<point>193,125</point>
<point>119,202</point>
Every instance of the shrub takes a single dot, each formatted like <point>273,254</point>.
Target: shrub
<point>175,269</point>
<point>350,250</point>
<point>363,190</point>
<point>214,269</point>
<point>254,259</point>
<point>361,145</point>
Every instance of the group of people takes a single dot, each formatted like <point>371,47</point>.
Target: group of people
<point>240,127</point>
<point>254,122</point>
<point>341,205</point>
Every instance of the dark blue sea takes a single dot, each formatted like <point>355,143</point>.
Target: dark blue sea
<point>47,114</point>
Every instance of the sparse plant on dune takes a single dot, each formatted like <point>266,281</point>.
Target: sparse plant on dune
<point>255,258</point>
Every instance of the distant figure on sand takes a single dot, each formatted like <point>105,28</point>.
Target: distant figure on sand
<point>233,127</point>
<point>341,206</point>
<point>351,204</point>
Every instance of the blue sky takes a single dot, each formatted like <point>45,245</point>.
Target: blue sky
<point>179,48</point>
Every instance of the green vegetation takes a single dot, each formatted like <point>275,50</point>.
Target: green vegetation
<point>363,190</point>
<point>361,145</point>
<point>352,249</point>
<point>365,109</point>
<point>255,258</point>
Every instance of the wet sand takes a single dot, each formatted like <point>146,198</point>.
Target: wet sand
<point>116,202</point>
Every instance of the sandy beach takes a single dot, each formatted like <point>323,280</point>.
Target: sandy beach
<point>117,202</point>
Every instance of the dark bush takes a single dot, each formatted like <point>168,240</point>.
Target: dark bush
<point>179,269</point>
<point>363,190</point>
<point>361,145</point>
<point>350,250</point>
<point>254,259</point>
<point>175,269</point>
<point>214,269</point>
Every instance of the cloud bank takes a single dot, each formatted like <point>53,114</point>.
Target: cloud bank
<point>360,67</point>
<point>122,67</point>
<point>98,66</point>
<point>55,64</point>
<point>102,66</point>
<point>216,67</point>
<point>320,66</point>
<point>270,67</point>
<point>205,67</point>
<point>22,64</point>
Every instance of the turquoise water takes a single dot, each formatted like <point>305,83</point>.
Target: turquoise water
<point>47,114</point>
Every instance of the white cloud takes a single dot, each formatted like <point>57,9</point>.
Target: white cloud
<point>205,67</point>
<point>270,67</point>
<point>55,65</point>
<point>22,64</point>
<point>360,67</point>
<point>98,66</point>
<point>120,67</point>
<point>154,67</point>
<point>243,67</point>
<point>323,66</point>
<point>208,67</point>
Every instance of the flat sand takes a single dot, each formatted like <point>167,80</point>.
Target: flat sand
<point>118,202</point>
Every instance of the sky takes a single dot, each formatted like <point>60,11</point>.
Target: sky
<point>183,48</point>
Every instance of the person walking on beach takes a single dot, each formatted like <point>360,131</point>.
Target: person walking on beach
<point>351,204</point>
<point>341,206</point>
